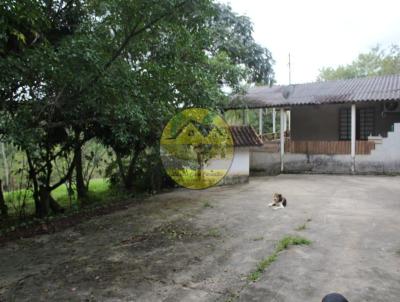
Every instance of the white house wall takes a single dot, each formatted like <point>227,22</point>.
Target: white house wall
<point>240,167</point>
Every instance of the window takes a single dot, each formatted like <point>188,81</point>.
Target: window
<point>365,123</point>
<point>344,124</point>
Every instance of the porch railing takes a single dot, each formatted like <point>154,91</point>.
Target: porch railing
<point>328,147</point>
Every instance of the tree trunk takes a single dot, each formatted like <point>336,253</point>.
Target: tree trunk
<point>80,182</point>
<point>120,167</point>
<point>128,177</point>
<point>200,162</point>
<point>48,203</point>
<point>5,163</point>
<point>3,206</point>
<point>33,177</point>
<point>43,209</point>
<point>130,174</point>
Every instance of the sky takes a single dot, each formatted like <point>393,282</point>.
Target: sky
<point>319,33</point>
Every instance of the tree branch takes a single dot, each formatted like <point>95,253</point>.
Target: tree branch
<point>65,177</point>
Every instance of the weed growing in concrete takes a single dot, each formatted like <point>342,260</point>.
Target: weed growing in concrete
<point>301,227</point>
<point>283,244</point>
<point>207,205</point>
<point>214,233</point>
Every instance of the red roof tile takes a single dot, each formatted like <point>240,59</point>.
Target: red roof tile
<point>245,136</point>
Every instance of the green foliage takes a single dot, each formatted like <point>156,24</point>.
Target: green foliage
<point>376,62</point>
<point>116,71</point>
<point>214,232</point>
<point>232,34</point>
<point>99,191</point>
<point>282,245</point>
<point>301,227</point>
<point>235,117</point>
<point>288,241</point>
<point>206,204</point>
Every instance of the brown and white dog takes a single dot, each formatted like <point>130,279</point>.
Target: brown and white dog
<point>279,202</point>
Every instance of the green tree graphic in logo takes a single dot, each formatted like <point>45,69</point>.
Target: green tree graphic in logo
<point>197,148</point>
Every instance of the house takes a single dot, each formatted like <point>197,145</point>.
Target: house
<point>244,138</point>
<point>343,126</point>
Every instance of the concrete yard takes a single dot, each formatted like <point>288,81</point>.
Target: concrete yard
<point>202,245</point>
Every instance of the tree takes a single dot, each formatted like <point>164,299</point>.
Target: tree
<point>373,63</point>
<point>189,59</point>
<point>113,70</point>
<point>3,206</point>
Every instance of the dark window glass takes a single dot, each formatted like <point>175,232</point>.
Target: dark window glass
<point>344,124</point>
<point>365,123</point>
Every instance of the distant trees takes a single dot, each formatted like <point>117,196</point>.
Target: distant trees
<point>115,71</point>
<point>376,62</point>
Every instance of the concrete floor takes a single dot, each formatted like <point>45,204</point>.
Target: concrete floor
<point>201,245</point>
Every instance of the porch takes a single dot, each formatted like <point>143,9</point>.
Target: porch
<point>349,126</point>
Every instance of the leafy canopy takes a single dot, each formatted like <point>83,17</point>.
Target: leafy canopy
<point>376,62</point>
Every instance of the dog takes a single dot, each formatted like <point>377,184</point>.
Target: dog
<point>279,202</point>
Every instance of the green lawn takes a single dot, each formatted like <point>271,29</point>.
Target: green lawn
<point>99,192</point>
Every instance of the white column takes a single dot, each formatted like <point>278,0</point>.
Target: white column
<point>353,137</point>
<point>285,119</point>
<point>273,120</point>
<point>282,137</point>
<point>260,121</point>
<point>289,115</point>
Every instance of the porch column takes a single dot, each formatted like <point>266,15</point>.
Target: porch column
<point>285,120</point>
<point>288,119</point>
<point>273,120</point>
<point>353,137</point>
<point>282,140</point>
<point>260,121</point>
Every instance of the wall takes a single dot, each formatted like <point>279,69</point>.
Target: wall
<point>263,162</point>
<point>240,167</point>
<point>321,122</point>
<point>385,159</point>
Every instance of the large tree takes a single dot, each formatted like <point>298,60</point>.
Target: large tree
<point>116,71</point>
<point>377,61</point>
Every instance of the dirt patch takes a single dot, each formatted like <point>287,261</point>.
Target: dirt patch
<point>61,223</point>
<point>202,246</point>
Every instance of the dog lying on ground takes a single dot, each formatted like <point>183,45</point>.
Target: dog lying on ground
<point>279,202</point>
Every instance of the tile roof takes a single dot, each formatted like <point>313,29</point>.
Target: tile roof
<point>245,136</point>
<point>379,88</point>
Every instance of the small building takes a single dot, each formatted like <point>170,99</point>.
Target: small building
<point>244,138</point>
<point>343,126</point>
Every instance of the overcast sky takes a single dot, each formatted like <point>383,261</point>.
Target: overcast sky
<point>319,33</point>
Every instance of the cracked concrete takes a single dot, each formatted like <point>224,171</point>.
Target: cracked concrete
<point>201,245</point>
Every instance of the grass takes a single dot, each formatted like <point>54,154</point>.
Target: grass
<point>207,205</point>
<point>214,232</point>
<point>99,192</point>
<point>282,245</point>
<point>301,227</point>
